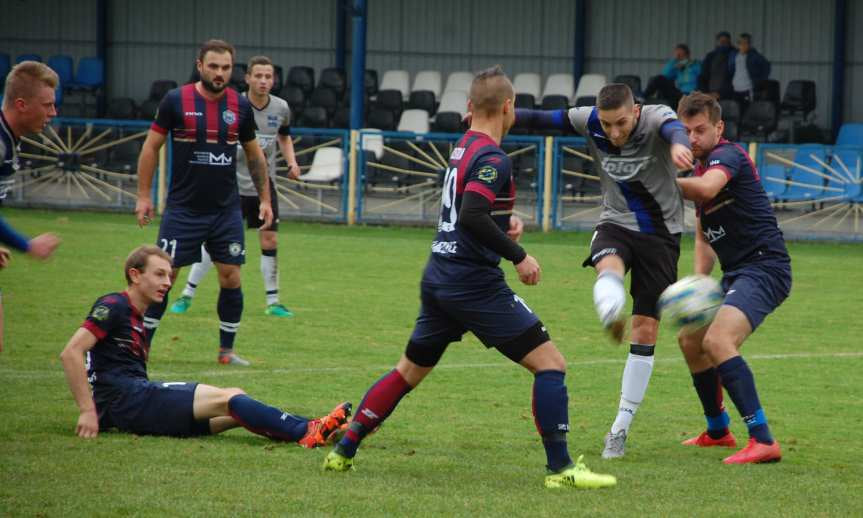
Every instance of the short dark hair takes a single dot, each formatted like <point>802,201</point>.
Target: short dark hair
<point>746,36</point>
<point>489,89</point>
<point>720,34</point>
<point>219,46</point>
<point>258,60</point>
<point>139,257</point>
<point>697,102</point>
<point>613,96</point>
<point>684,47</point>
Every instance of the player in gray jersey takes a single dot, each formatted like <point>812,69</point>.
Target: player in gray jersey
<point>273,119</point>
<point>637,151</point>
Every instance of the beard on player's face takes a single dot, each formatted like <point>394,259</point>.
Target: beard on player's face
<point>210,86</point>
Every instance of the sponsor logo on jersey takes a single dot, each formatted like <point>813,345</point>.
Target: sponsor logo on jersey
<point>6,185</point>
<point>487,174</point>
<point>714,162</point>
<point>444,247</point>
<point>272,121</point>
<point>193,114</point>
<point>100,312</point>
<point>622,169</point>
<point>229,117</point>
<point>207,158</point>
<point>713,235</point>
<point>457,153</point>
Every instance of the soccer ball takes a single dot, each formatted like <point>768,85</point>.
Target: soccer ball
<point>691,303</point>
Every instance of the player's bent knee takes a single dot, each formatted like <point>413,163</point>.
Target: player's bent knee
<point>424,355</point>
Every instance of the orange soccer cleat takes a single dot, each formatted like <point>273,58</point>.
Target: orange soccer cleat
<point>755,453</point>
<point>705,441</point>
<point>321,429</point>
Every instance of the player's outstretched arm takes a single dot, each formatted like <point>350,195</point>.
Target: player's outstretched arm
<point>257,165</point>
<point>705,257</point>
<point>147,161</point>
<point>72,359</point>
<point>704,188</point>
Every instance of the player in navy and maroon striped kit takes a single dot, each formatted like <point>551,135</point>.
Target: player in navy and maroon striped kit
<point>206,120</point>
<point>463,289</point>
<point>117,348</point>
<point>734,223</point>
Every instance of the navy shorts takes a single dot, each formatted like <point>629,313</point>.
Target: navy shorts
<point>251,206</point>
<point>154,408</point>
<point>495,314</point>
<point>183,231</point>
<point>757,289</point>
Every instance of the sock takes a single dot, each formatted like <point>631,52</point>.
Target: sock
<point>198,271</point>
<point>609,296</point>
<point>710,393</point>
<point>230,309</point>
<point>376,406</point>
<point>740,384</point>
<point>153,316</point>
<point>270,272</point>
<point>265,420</point>
<point>551,416</point>
<point>636,376</point>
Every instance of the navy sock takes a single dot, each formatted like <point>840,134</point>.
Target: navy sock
<point>740,384</point>
<point>378,403</point>
<point>265,420</point>
<point>551,416</point>
<point>710,393</point>
<point>153,316</point>
<point>230,309</point>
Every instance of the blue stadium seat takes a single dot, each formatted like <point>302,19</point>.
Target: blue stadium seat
<point>90,74</point>
<point>28,57</point>
<point>773,178</point>
<point>812,186</point>
<point>63,65</point>
<point>847,161</point>
<point>850,134</point>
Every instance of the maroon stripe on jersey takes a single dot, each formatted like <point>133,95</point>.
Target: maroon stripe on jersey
<point>212,127</point>
<point>97,331</point>
<point>158,129</point>
<point>234,107</point>
<point>187,103</point>
<point>469,154</point>
<point>481,190</point>
<point>748,158</point>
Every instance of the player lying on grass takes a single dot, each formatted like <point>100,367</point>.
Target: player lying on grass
<point>463,289</point>
<point>734,223</point>
<point>113,340</point>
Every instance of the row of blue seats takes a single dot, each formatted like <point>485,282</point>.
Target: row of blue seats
<point>89,77</point>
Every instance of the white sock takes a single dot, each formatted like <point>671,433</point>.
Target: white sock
<point>636,376</point>
<point>197,273</point>
<point>270,273</point>
<point>609,296</point>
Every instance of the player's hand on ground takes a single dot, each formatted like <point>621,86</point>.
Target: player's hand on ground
<point>43,245</point>
<point>5,257</point>
<point>516,228</point>
<point>265,214</point>
<point>88,424</point>
<point>681,156</point>
<point>293,172</point>
<point>528,271</point>
<point>144,211</point>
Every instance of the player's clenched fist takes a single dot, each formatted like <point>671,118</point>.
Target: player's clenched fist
<point>528,271</point>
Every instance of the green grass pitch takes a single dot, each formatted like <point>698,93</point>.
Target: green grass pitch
<point>463,443</point>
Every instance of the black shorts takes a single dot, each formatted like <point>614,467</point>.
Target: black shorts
<point>183,231</point>
<point>495,314</point>
<point>154,408</point>
<point>251,206</point>
<point>651,257</point>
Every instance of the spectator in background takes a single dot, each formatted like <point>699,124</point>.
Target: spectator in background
<point>716,71</point>
<point>679,77</point>
<point>748,68</point>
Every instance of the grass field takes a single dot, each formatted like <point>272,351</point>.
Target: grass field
<point>464,442</point>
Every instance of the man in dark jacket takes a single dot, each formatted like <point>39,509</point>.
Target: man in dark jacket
<point>748,68</point>
<point>716,72</point>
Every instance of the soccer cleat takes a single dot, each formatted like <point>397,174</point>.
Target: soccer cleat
<point>755,453</point>
<point>181,305</point>
<point>229,357</point>
<point>705,441</point>
<point>336,462</point>
<point>577,476</point>
<point>278,310</point>
<point>614,445</point>
<point>321,430</point>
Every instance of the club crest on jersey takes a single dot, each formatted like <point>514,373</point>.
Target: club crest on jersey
<point>235,249</point>
<point>229,117</point>
<point>487,174</point>
<point>100,312</point>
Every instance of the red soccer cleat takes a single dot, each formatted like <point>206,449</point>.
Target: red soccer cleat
<point>706,441</point>
<point>321,429</point>
<point>756,453</point>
